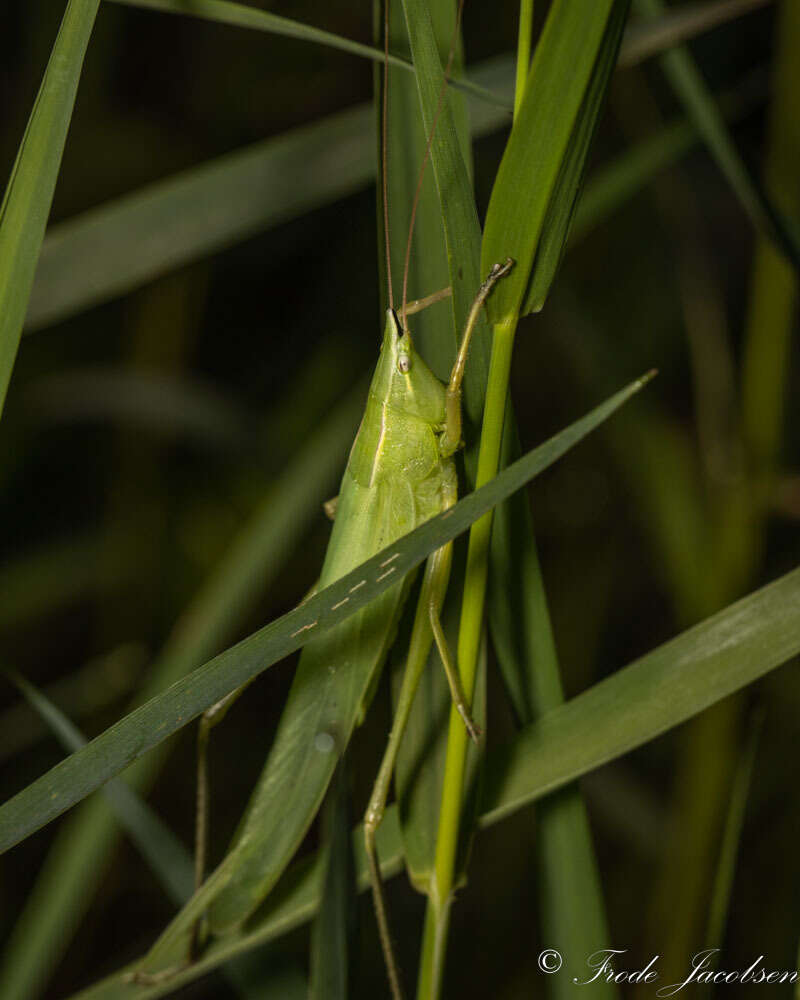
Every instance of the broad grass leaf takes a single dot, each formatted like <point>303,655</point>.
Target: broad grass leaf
<point>539,147</point>
<point>660,690</point>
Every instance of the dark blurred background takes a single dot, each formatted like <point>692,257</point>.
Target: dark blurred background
<point>140,435</point>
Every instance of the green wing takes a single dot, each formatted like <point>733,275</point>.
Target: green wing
<point>332,679</point>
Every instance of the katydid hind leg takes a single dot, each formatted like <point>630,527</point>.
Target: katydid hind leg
<point>210,718</point>
<point>440,576</point>
<point>419,647</point>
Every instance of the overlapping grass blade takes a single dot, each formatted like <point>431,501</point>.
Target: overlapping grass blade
<point>458,214</point>
<point>166,856</point>
<point>95,686</point>
<point>559,83</point>
<point>148,726</point>
<point>157,844</point>
<point>661,690</point>
<point>679,679</point>
<point>561,206</point>
<point>570,893</point>
<point>26,205</point>
<point>421,757</point>
<point>133,239</point>
<point>76,862</point>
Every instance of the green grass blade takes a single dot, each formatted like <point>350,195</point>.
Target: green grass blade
<point>561,206</point>
<point>558,84</point>
<point>158,845</point>
<point>772,306</point>
<point>77,861</point>
<point>334,925</point>
<point>166,856</point>
<point>420,761</point>
<point>612,185</point>
<point>691,89</point>
<point>158,228</point>
<point>458,214</point>
<point>661,690</point>
<point>571,898</point>
<point>95,686</point>
<point>26,205</point>
<point>732,834</point>
<point>148,726</point>
<point>199,211</point>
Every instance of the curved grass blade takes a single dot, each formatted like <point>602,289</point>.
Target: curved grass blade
<point>26,205</point>
<point>149,725</point>
<point>661,690</point>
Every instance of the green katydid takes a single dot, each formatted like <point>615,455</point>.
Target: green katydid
<point>401,472</point>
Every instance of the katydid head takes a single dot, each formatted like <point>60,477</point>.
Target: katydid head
<point>403,380</point>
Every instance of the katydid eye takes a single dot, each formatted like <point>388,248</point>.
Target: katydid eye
<point>404,363</point>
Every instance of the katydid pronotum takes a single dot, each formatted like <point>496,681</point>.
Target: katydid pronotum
<point>401,472</point>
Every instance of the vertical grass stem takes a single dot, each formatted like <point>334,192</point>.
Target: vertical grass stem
<point>472,611</point>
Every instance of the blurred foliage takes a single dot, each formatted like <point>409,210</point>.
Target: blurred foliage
<point>140,435</point>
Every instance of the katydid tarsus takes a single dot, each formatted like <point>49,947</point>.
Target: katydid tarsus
<point>401,471</point>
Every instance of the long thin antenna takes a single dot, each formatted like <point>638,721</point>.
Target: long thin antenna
<point>428,145</point>
<point>384,152</point>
